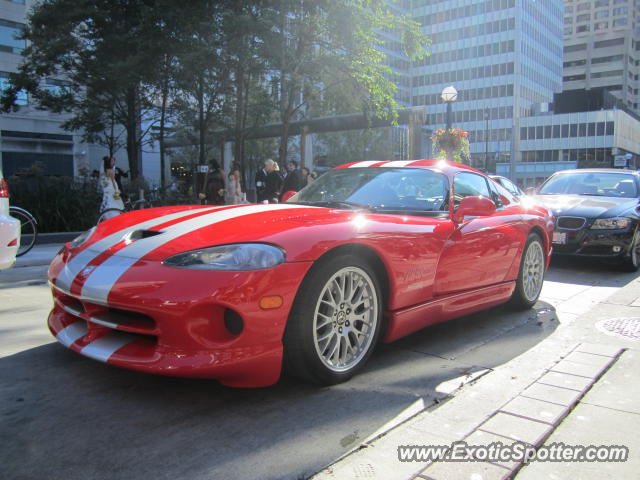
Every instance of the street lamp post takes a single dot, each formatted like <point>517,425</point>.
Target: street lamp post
<point>486,139</point>
<point>449,95</point>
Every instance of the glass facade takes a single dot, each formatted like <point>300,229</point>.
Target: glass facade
<point>503,56</point>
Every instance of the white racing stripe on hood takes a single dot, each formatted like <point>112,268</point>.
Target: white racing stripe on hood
<point>368,163</point>
<point>398,163</point>
<point>100,282</point>
<point>82,259</point>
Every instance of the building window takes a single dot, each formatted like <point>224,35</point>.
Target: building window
<point>22,98</point>
<point>582,130</point>
<point>601,3</point>
<point>592,130</point>
<point>573,130</point>
<point>617,12</point>
<point>556,131</point>
<point>568,30</point>
<point>574,78</point>
<point>8,33</point>
<point>585,17</point>
<point>600,26</point>
<point>583,6</point>
<point>576,48</point>
<point>565,131</point>
<point>610,73</point>
<point>582,28</point>
<point>601,14</point>
<point>620,22</point>
<point>608,43</point>
<point>612,58</point>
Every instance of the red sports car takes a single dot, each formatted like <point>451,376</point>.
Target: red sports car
<point>369,251</point>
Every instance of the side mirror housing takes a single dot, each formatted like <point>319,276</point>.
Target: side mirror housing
<point>474,207</point>
<point>287,195</point>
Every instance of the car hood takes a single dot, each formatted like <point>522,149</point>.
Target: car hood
<point>156,234</point>
<point>588,206</point>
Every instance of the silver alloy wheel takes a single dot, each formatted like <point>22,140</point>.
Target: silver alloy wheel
<point>533,271</point>
<point>345,319</point>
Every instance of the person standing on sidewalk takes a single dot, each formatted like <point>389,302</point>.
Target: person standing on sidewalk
<point>111,196</point>
<point>261,180</point>
<point>293,180</point>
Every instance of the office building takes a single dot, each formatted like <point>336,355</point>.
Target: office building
<point>602,48</point>
<point>503,56</point>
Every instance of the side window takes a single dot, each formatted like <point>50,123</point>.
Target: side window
<point>511,187</point>
<point>495,195</point>
<point>467,184</point>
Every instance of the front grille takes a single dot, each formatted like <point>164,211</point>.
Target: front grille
<point>571,223</point>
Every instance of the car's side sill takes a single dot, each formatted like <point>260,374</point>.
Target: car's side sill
<point>408,320</point>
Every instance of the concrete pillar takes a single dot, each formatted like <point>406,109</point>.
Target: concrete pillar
<point>303,147</point>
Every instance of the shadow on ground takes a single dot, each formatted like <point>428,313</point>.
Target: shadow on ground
<point>65,416</point>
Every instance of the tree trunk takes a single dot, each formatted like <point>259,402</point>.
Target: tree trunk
<point>163,110</point>
<point>132,133</point>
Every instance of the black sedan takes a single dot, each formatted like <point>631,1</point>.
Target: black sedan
<point>596,213</point>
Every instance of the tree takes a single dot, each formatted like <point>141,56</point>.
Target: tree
<point>329,51</point>
<point>101,49</point>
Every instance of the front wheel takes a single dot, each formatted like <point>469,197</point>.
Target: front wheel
<point>531,274</point>
<point>334,323</point>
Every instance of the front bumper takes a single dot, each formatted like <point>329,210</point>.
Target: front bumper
<point>607,244</point>
<point>9,233</point>
<point>173,321</point>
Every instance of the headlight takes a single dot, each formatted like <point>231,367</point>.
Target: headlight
<point>241,256</point>
<point>615,223</point>
<point>80,239</point>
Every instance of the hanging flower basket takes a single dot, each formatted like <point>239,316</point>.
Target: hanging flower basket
<point>452,144</point>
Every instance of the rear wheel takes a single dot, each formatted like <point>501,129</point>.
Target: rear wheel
<point>335,321</point>
<point>28,229</point>
<point>531,274</point>
<point>108,213</point>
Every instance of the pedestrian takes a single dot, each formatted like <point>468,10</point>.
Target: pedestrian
<point>305,176</point>
<point>273,184</point>
<point>261,180</point>
<point>212,192</point>
<point>293,180</point>
<point>233,193</point>
<point>119,173</point>
<point>111,196</point>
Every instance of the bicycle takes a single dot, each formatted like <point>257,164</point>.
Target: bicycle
<point>129,206</point>
<point>28,229</point>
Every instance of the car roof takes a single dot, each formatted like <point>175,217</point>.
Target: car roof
<point>442,165</point>
<point>600,170</point>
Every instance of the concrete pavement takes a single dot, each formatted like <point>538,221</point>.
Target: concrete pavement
<point>538,398</point>
<point>38,255</point>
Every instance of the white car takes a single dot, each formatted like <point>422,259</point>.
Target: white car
<point>9,228</point>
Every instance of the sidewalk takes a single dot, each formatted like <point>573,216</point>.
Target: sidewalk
<point>579,386</point>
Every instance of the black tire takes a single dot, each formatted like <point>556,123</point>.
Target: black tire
<point>631,262</point>
<point>304,334</point>
<point>108,213</point>
<point>28,229</point>
<point>525,296</point>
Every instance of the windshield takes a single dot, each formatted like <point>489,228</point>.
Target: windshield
<point>413,190</point>
<point>604,184</point>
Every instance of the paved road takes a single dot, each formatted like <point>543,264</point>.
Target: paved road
<point>68,417</point>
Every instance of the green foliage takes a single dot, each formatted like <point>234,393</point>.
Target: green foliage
<point>452,144</point>
<point>59,204</point>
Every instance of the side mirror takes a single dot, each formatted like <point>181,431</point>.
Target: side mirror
<point>287,195</point>
<point>474,207</point>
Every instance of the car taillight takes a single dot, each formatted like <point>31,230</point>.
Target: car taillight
<point>4,188</point>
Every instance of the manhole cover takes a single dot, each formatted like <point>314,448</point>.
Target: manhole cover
<point>626,327</point>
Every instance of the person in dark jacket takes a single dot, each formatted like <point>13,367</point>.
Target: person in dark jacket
<point>273,184</point>
<point>293,180</point>
<point>213,188</point>
<point>261,180</point>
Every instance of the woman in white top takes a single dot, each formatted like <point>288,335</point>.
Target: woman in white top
<point>233,193</point>
<point>111,197</point>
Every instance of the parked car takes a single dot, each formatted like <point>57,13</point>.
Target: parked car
<point>369,251</point>
<point>509,185</point>
<point>596,213</point>
<point>9,228</point>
